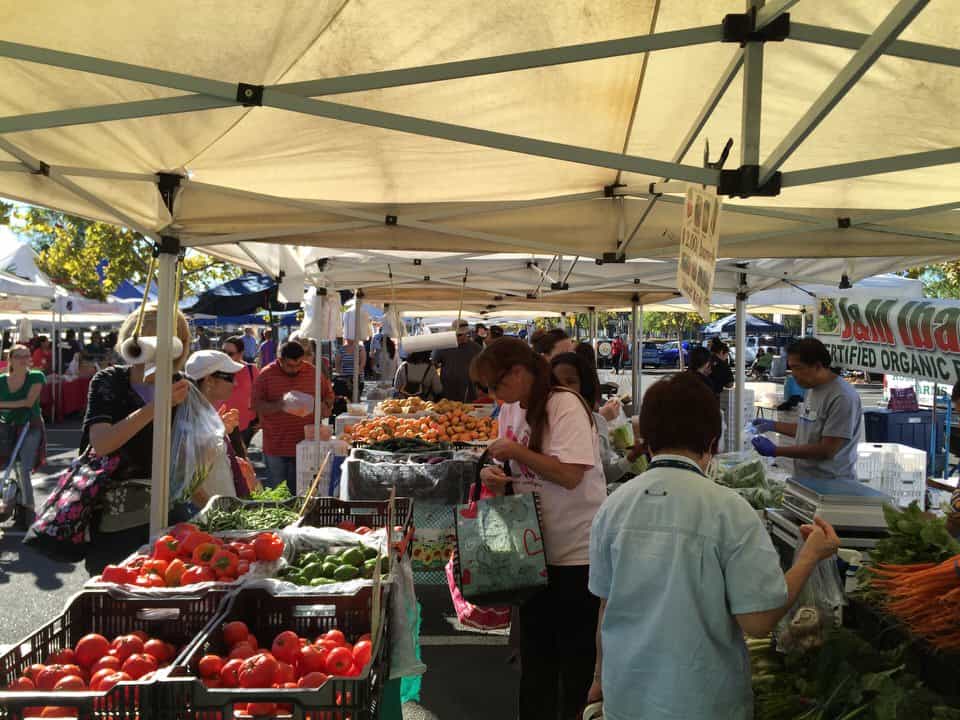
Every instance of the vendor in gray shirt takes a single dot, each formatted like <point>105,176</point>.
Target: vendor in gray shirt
<point>454,365</point>
<point>830,420</point>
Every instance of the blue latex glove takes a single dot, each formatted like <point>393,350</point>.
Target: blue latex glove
<point>764,446</point>
<point>763,426</point>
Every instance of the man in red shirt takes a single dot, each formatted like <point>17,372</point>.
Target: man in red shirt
<point>281,419</point>
<point>42,357</point>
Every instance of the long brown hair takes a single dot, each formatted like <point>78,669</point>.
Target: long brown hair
<point>500,357</point>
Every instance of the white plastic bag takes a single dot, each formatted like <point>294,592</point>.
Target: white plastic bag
<point>297,403</point>
<point>197,441</point>
<point>818,609</point>
<point>621,431</point>
<point>403,623</point>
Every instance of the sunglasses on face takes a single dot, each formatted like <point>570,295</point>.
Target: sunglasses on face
<point>225,376</point>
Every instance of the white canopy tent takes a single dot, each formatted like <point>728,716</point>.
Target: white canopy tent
<point>844,115</point>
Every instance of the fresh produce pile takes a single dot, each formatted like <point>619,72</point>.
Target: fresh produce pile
<point>411,405</point>
<point>844,678</point>
<point>406,445</point>
<point>291,662</point>
<point>316,569</point>
<point>454,426</point>
<point>189,555</point>
<point>914,577</point>
<point>746,473</point>
<point>254,516</point>
<point>95,663</point>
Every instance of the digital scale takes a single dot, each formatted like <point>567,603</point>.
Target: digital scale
<point>854,509</point>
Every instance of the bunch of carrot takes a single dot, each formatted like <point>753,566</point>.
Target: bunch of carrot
<point>925,597</point>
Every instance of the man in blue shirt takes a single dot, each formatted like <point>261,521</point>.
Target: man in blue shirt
<point>249,345</point>
<point>684,568</point>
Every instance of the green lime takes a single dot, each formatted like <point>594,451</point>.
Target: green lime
<point>346,572</point>
<point>329,568</point>
<point>353,556</point>
<point>335,559</point>
<point>313,570</point>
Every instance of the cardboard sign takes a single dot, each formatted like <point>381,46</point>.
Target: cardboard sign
<point>910,338</point>
<point>699,239</point>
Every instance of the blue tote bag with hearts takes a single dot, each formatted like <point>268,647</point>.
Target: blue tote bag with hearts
<point>500,556</point>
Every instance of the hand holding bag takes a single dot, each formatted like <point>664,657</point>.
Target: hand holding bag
<point>500,557</point>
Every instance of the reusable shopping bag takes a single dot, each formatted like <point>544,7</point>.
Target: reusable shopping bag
<point>500,556</point>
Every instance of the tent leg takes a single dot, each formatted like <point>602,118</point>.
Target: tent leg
<point>318,384</point>
<point>163,383</point>
<point>741,364</point>
<point>634,364</point>
<point>639,331</point>
<point>358,301</point>
<point>803,322</point>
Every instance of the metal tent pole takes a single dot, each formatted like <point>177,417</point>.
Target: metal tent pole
<point>634,365</point>
<point>358,301</point>
<point>163,384</point>
<point>318,384</point>
<point>55,343</point>
<point>639,395</point>
<point>803,322</point>
<point>741,362</point>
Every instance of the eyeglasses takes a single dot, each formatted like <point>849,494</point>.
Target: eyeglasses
<point>225,376</point>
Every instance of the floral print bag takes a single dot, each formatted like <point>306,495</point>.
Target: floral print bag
<point>67,513</point>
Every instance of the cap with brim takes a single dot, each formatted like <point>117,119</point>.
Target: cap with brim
<point>206,362</point>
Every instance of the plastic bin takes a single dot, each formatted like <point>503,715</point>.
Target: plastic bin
<point>175,620</point>
<point>905,428</point>
<point>184,697</point>
<point>443,481</point>
<point>330,512</point>
<point>896,470</point>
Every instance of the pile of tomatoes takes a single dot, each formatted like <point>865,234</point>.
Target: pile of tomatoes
<point>187,556</point>
<point>291,662</point>
<point>97,664</point>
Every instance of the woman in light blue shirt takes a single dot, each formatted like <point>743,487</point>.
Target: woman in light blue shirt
<point>684,568</point>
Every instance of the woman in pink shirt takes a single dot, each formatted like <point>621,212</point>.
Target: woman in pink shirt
<point>547,436</point>
<point>241,399</point>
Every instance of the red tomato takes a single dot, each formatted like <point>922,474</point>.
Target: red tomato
<point>363,530</point>
<point>210,666</point>
<point>204,552</point>
<point>258,671</point>
<point>98,677</point>
<point>211,683</point>
<point>91,648</point>
<point>286,646</point>
<point>234,632</point>
<point>181,530</point>
<point>252,639</point>
<point>230,674</point>
<point>361,653</point>
<point>166,548</point>
<point>339,661</point>
<point>173,577</point>
<point>286,673</point>
<point>70,683</point>
<point>154,567</point>
<point>22,683</point>
<point>365,636</point>
<point>157,648</point>
<point>348,525</point>
<point>34,671</point>
<point>268,547</point>
<point>138,665</point>
<point>107,662</point>
<point>190,541</point>
<point>50,676</point>
<point>313,680</point>
<point>243,567</point>
<point>262,709</point>
<point>353,671</point>
<point>327,644</point>
<point>312,659</point>
<point>110,681</point>
<point>241,651</point>
<point>336,636</point>
<point>224,563</point>
<point>62,657</point>
<point>127,645</point>
<point>141,634</point>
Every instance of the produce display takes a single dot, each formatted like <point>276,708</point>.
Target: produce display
<point>189,555</point>
<point>404,445</point>
<point>454,426</point>
<point>95,663</point>
<point>411,405</point>
<point>316,569</point>
<point>914,579</point>
<point>252,517</point>
<point>746,473</point>
<point>842,678</point>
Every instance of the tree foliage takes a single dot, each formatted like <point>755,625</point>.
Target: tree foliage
<point>94,258</point>
<point>940,281</point>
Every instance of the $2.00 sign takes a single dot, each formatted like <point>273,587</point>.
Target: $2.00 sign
<point>698,248</point>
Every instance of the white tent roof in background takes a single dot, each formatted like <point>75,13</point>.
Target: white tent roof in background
<point>490,126</point>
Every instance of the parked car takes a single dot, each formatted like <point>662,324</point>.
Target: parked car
<point>652,355</point>
<point>670,354</point>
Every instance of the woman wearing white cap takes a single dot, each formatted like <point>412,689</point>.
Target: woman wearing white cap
<point>213,372</point>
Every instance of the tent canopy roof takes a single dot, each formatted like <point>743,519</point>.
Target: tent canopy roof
<point>389,130</point>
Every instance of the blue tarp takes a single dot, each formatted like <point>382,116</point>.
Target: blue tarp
<point>244,295</point>
<point>755,326</point>
<point>288,318</point>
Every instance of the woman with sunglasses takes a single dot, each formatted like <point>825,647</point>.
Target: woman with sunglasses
<point>20,389</point>
<point>214,374</point>
<point>547,434</point>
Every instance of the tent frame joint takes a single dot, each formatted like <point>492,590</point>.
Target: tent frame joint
<point>168,184</point>
<point>250,95</point>
<point>42,169</point>
<point>744,182</point>
<point>168,245</point>
<point>611,257</point>
<point>741,28</point>
<point>843,223</point>
<point>390,220</point>
<point>610,191</point>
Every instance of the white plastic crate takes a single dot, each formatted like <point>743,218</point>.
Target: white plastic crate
<point>309,459</point>
<point>896,470</point>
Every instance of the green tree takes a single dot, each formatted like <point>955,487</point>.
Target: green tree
<point>93,258</point>
<point>940,281</point>
<point>6,211</point>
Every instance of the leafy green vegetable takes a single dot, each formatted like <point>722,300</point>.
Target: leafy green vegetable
<point>915,537</point>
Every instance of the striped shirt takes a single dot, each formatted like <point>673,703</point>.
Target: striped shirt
<point>282,431</point>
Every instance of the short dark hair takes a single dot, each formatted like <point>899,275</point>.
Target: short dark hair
<point>544,343</point>
<point>479,326</point>
<point>955,395</point>
<point>291,351</point>
<point>810,351</point>
<point>589,382</point>
<point>235,340</point>
<point>699,356</point>
<point>496,331</point>
<point>667,420</point>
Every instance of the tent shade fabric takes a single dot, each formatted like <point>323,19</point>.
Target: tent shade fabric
<point>241,296</point>
<point>754,325</point>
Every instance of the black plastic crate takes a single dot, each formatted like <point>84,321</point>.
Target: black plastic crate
<point>184,697</point>
<point>175,620</point>
<point>330,512</point>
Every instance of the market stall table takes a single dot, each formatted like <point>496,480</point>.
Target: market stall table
<point>71,397</point>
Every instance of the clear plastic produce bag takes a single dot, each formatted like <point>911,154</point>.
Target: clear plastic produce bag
<point>196,443</point>
<point>744,469</point>
<point>818,609</point>
<point>621,431</point>
<point>297,403</point>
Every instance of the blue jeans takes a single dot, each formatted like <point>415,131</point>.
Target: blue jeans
<point>26,460</point>
<point>281,469</point>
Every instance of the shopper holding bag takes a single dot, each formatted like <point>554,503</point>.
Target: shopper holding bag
<point>547,436</point>
<point>20,389</point>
